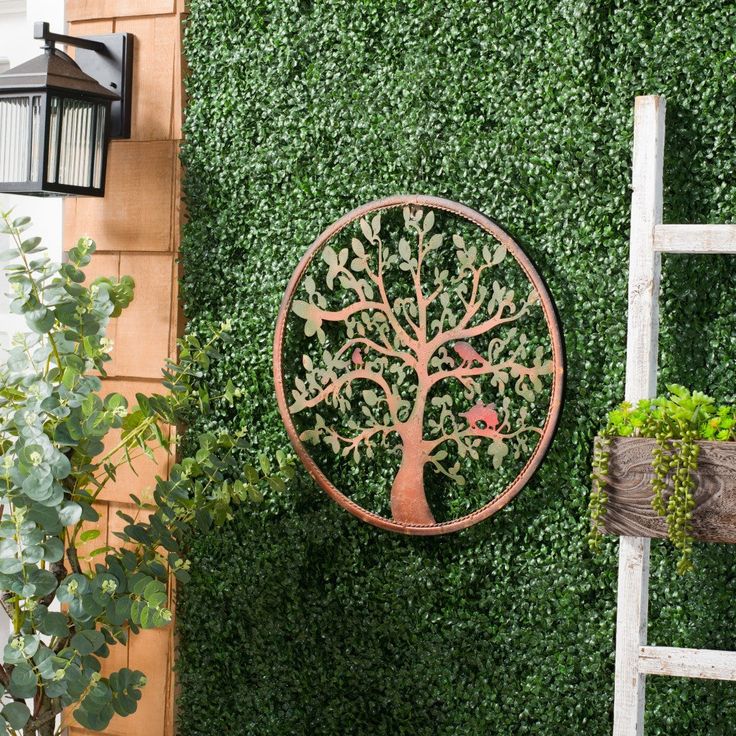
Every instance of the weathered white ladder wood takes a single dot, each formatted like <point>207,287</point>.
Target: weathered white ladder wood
<point>649,239</point>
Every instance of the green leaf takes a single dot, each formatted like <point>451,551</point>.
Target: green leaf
<point>53,549</point>
<point>96,719</point>
<point>89,535</point>
<point>277,484</point>
<point>30,244</point>
<point>16,714</point>
<point>43,581</point>
<point>23,681</point>
<point>88,642</point>
<point>230,392</point>
<point>40,320</point>
<point>55,624</point>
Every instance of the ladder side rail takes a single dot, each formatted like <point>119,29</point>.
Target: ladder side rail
<point>641,382</point>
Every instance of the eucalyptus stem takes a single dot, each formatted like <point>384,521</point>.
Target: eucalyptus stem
<point>15,234</point>
<point>53,466</point>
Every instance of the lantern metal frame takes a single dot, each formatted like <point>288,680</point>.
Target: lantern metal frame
<point>100,75</point>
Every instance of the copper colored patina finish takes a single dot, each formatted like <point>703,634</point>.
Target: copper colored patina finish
<point>401,333</point>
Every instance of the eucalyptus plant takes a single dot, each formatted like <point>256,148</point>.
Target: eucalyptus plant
<point>676,421</point>
<point>57,454</point>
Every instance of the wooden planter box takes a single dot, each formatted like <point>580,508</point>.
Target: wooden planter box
<point>629,511</point>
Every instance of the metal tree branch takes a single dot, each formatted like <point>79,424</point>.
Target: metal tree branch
<point>347,378</point>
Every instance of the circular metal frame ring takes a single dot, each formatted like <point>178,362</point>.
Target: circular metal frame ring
<point>409,524</point>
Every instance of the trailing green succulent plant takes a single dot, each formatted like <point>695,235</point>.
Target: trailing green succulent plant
<point>676,421</point>
<point>54,417</point>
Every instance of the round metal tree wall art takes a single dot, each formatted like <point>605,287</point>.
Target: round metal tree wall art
<point>418,363</point>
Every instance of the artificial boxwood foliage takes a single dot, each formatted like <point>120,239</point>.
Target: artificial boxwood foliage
<point>300,619</point>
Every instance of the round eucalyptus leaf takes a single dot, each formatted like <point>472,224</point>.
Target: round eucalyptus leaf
<point>16,714</point>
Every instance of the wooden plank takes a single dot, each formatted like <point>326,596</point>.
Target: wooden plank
<point>156,75</point>
<point>181,72</point>
<point>89,28</point>
<point>629,510</point>
<point>142,336</point>
<point>93,9</point>
<point>105,264</point>
<point>144,329</point>
<point>641,382</point>
<point>644,262</point>
<point>695,238</point>
<point>84,550</point>
<point>119,657</point>
<point>116,524</point>
<point>136,211</point>
<point>137,224</point>
<point>706,664</point>
<point>631,632</point>
<point>140,478</point>
<point>149,652</point>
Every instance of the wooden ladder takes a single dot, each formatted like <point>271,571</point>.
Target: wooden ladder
<point>649,239</point>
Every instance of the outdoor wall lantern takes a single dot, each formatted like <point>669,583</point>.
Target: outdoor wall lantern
<point>57,115</point>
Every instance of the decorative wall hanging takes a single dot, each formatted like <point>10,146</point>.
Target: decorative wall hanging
<point>419,364</point>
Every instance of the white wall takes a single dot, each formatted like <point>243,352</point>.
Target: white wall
<point>18,45</point>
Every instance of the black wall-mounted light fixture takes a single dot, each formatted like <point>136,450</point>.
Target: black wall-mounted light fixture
<point>58,113</point>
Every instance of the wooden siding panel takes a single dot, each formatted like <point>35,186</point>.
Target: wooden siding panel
<point>89,28</point>
<point>116,524</point>
<point>143,337</point>
<point>143,330</point>
<point>138,479</point>
<point>149,652</point>
<point>119,658</point>
<point>137,229</point>
<point>141,478</point>
<point>137,210</point>
<point>85,9</point>
<point>155,75</point>
<point>103,264</point>
<point>85,549</point>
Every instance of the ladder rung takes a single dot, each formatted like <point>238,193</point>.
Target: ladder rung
<point>708,664</point>
<point>695,238</point>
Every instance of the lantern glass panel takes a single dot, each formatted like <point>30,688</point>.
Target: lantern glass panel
<point>76,142</point>
<point>99,144</point>
<point>54,120</point>
<point>36,143</point>
<point>20,146</point>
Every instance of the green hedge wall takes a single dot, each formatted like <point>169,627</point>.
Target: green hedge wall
<point>302,620</point>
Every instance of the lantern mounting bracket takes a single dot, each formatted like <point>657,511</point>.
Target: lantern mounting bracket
<point>109,60</point>
<point>42,32</point>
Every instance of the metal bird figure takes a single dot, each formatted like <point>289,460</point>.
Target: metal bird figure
<point>482,419</point>
<point>468,354</point>
<point>357,357</point>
